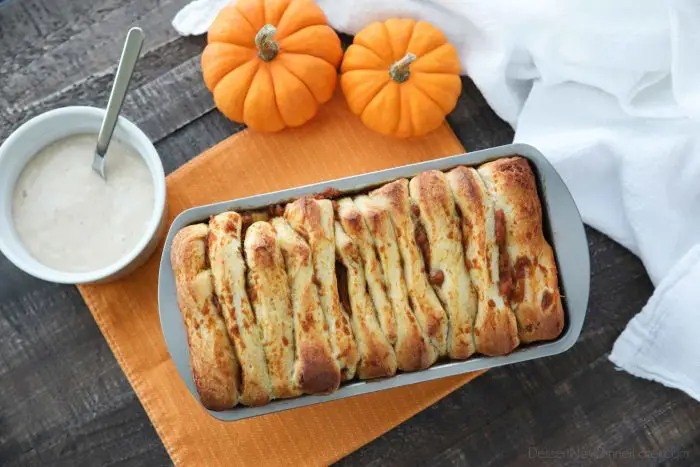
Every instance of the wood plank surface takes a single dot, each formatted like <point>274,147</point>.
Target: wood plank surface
<point>65,401</point>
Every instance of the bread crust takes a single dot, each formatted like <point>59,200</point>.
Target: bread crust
<point>316,370</point>
<point>215,370</point>
<point>496,329</point>
<point>413,348</point>
<point>313,220</point>
<point>394,198</point>
<point>436,212</point>
<point>535,298</point>
<point>376,355</point>
<point>268,291</point>
<point>229,271</point>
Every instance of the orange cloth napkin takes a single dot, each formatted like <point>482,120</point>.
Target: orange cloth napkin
<point>333,145</point>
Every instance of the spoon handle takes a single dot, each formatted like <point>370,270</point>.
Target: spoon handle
<point>127,62</point>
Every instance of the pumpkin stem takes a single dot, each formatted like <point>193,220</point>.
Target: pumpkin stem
<point>268,48</point>
<point>399,71</point>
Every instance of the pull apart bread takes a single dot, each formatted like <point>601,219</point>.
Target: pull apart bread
<point>313,220</point>
<point>316,370</point>
<point>215,368</point>
<point>354,227</point>
<point>297,298</point>
<point>495,328</point>
<point>377,357</point>
<point>229,272</point>
<point>534,296</point>
<point>370,227</point>
<point>268,291</point>
<point>394,199</point>
<point>444,258</point>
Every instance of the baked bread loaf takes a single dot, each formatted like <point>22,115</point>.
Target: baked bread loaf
<point>313,220</point>
<point>215,369</point>
<point>435,209</point>
<point>268,291</point>
<point>376,356</point>
<point>316,370</point>
<point>495,329</point>
<point>534,297</point>
<point>229,272</point>
<point>393,197</point>
<point>296,297</point>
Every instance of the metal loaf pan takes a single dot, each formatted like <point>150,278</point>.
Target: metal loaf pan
<point>562,226</point>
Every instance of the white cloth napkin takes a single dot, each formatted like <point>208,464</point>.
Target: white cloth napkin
<point>609,91</point>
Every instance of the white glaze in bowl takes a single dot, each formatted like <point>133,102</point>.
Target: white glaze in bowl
<point>51,126</point>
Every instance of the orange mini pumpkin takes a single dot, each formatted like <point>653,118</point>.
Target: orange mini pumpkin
<point>271,63</point>
<point>401,77</point>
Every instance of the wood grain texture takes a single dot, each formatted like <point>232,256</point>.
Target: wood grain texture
<point>65,401</point>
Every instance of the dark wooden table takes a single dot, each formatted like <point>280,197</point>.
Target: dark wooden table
<point>65,401</point>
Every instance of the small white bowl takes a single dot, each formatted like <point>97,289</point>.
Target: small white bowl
<point>41,131</point>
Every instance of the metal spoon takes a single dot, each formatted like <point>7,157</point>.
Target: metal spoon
<point>127,62</point>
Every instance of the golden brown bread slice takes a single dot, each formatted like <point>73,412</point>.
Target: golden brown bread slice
<point>313,220</point>
<point>447,272</point>
<point>229,272</point>
<point>355,227</point>
<point>413,348</point>
<point>394,198</point>
<point>377,358</point>
<point>535,297</point>
<point>496,329</point>
<point>214,366</point>
<point>268,292</point>
<point>315,370</point>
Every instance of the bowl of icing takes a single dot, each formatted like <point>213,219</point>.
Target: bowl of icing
<point>59,220</point>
